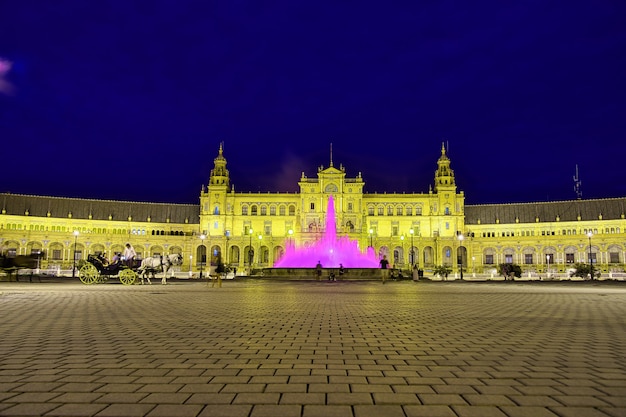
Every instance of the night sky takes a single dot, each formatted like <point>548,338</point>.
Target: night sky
<point>129,100</point>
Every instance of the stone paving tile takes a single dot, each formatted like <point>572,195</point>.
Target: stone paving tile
<point>28,409</point>
<point>479,411</point>
<point>428,411</point>
<point>531,412</point>
<point>76,410</point>
<point>615,412</point>
<point>263,410</point>
<point>302,398</point>
<point>355,349</point>
<point>534,400</point>
<point>126,410</point>
<point>34,397</point>
<point>178,410</point>
<point>378,411</point>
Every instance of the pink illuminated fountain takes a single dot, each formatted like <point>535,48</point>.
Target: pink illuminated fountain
<point>330,250</point>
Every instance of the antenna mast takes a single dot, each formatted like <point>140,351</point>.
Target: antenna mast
<point>577,184</point>
<point>331,154</point>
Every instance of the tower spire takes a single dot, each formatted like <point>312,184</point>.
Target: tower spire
<point>219,173</point>
<point>444,175</point>
<point>331,154</point>
<point>577,184</point>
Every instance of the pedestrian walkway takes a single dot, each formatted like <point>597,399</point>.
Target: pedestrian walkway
<point>257,348</point>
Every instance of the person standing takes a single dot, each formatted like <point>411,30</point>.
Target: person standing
<point>416,273</point>
<point>384,268</point>
<point>318,271</point>
<point>129,255</point>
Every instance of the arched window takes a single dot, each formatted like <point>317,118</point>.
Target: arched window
<point>263,210</point>
<point>253,210</point>
<point>244,210</point>
<point>292,210</point>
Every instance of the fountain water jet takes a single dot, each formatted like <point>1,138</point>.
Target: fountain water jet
<point>330,251</point>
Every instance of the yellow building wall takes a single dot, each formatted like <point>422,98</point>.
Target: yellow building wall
<point>430,223</point>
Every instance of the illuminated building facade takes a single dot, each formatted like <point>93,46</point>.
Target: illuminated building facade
<point>251,229</point>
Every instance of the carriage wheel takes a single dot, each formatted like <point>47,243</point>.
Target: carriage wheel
<point>127,276</point>
<point>88,274</point>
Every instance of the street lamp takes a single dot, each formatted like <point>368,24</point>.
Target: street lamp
<point>250,253</point>
<point>290,232</point>
<point>202,253</point>
<point>227,233</point>
<point>260,259</point>
<point>473,267</point>
<point>589,234</point>
<point>75,241</point>
<point>411,252</point>
<point>190,263</point>
<point>461,237</point>
<point>371,231</point>
<point>402,240</point>
<point>548,262</point>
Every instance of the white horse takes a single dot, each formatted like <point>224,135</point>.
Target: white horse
<point>159,264</point>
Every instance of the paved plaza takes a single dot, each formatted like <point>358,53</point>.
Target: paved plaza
<point>256,348</point>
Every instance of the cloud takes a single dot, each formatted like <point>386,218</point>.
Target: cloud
<point>5,86</point>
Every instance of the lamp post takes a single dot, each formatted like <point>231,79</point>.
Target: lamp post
<point>290,232</point>
<point>589,234</point>
<point>260,259</point>
<point>402,243</point>
<point>473,268</point>
<point>227,234</point>
<point>371,232</point>
<point>411,252</point>
<point>461,237</point>
<point>250,253</point>
<point>74,265</point>
<point>548,266</point>
<point>190,263</point>
<point>202,253</point>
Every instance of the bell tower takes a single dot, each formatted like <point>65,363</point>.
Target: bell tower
<point>213,204</point>
<point>444,175</point>
<point>219,173</point>
<point>447,206</point>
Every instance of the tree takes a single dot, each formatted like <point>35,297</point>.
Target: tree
<point>442,271</point>
<point>510,270</point>
<point>584,271</point>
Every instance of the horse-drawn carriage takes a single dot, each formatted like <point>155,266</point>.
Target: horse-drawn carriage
<point>97,270</point>
<point>12,264</point>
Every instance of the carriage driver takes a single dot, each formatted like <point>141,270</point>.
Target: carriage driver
<point>129,255</point>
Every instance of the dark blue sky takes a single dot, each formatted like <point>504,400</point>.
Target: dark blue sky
<point>130,100</point>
